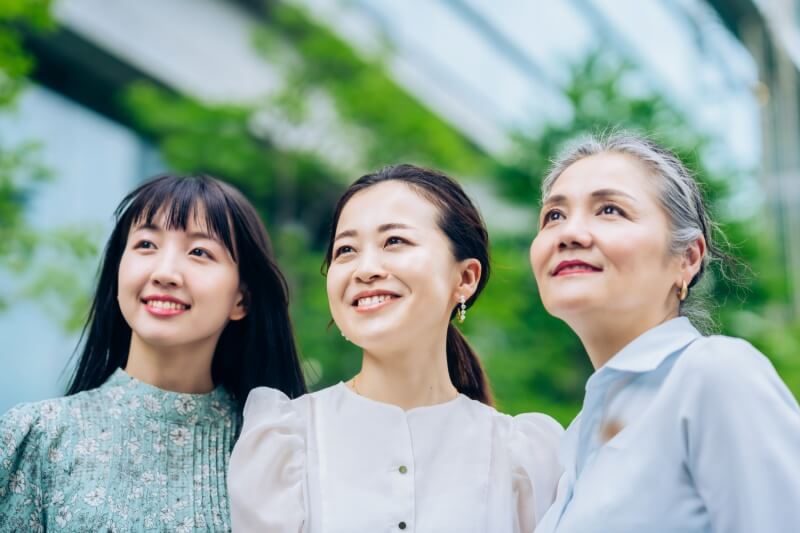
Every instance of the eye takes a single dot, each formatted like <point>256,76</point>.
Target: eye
<point>552,216</point>
<point>345,249</point>
<point>144,245</point>
<point>611,209</point>
<point>392,241</point>
<point>201,252</point>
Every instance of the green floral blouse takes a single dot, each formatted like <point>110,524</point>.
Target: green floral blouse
<point>125,456</point>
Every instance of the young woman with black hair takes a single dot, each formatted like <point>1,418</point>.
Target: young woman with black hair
<point>189,315</point>
<point>412,442</point>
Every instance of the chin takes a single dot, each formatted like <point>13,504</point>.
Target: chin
<point>378,340</point>
<point>568,307</point>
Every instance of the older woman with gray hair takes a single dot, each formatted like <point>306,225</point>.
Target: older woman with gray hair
<point>678,431</point>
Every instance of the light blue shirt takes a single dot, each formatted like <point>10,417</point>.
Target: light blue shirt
<point>681,433</point>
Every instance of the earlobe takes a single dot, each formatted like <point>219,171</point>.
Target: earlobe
<point>470,276</point>
<point>693,257</point>
<point>239,310</point>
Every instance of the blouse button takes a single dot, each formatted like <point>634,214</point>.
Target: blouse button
<point>401,525</point>
<point>403,469</point>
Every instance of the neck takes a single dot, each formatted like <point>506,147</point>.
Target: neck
<point>605,334</point>
<point>184,369</point>
<point>408,378</point>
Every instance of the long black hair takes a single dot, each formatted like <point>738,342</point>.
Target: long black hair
<point>256,350</point>
<point>463,225</point>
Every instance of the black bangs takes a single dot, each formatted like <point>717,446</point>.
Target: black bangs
<point>180,200</point>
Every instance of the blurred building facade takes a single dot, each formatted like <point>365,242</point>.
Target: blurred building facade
<point>770,29</point>
<point>482,66</point>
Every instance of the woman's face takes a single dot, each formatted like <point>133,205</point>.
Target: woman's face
<point>177,288</point>
<point>393,280</point>
<point>603,244</point>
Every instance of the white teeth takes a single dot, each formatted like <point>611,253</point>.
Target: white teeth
<point>372,300</point>
<point>577,267</point>
<point>169,306</point>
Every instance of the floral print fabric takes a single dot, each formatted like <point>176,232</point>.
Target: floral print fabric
<point>123,457</point>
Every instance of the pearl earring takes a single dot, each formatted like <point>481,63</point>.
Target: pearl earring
<point>462,309</point>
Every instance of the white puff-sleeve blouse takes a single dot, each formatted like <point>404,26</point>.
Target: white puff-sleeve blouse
<point>337,462</point>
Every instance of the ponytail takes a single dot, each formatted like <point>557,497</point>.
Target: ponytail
<point>466,370</point>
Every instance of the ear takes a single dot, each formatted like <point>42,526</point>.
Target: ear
<point>239,310</point>
<point>692,260</point>
<point>469,276</point>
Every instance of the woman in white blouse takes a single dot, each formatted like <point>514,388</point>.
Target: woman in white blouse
<point>679,432</point>
<point>411,443</point>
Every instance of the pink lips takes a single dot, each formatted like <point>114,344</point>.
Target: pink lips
<point>573,267</point>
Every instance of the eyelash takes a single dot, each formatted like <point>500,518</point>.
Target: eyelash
<point>203,252</point>
<point>346,249</point>
<point>342,250</point>
<point>547,216</point>
<point>148,245</point>
<point>611,206</point>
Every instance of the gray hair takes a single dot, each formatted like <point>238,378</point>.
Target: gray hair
<point>679,195</point>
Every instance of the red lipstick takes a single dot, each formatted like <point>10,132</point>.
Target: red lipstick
<point>573,267</point>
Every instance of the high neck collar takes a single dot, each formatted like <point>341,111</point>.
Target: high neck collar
<point>128,394</point>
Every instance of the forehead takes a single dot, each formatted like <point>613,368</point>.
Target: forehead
<point>173,217</point>
<point>607,170</point>
<point>386,203</point>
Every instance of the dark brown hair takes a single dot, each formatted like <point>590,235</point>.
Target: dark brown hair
<point>258,350</point>
<point>463,225</point>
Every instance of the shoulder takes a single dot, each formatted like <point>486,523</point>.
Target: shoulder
<point>27,429</point>
<point>720,361</point>
<point>268,407</point>
<point>535,429</point>
<point>37,418</point>
<point>719,373</point>
<point>266,402</point>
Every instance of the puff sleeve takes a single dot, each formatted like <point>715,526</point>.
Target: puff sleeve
<point>267,472</point>
<point>533,451</point>
<point>21,491</point>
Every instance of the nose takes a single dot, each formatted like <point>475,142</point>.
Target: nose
<point>166,271</point>
<point>574,233</point>
<point>370,267</point>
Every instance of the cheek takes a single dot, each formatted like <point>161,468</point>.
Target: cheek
<point>128,273</point>
<point>538,254</point>
<point>219,282</point>
<point>636,253</point>
<point>335,284</point>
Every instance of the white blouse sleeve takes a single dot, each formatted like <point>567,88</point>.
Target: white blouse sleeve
<point>743,438</point>
<point>267,472</point>
<point>533,448</point>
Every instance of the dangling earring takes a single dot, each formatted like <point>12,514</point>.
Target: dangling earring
<point>343,335</point>
<point>683,292</point>
<point>462,309</point>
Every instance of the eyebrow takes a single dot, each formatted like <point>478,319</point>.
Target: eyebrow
<point>381,229</point>
<point>192,235</point>
<point>560,199</point>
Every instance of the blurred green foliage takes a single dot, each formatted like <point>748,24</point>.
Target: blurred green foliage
<point>535,361</point>
<point>28,252</point>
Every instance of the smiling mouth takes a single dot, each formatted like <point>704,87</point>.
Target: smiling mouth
<point>576,268</point>
<point>371,303</point>
<point>165,307</point>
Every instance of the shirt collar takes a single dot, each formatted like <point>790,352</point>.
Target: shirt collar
<point>648,350</point>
